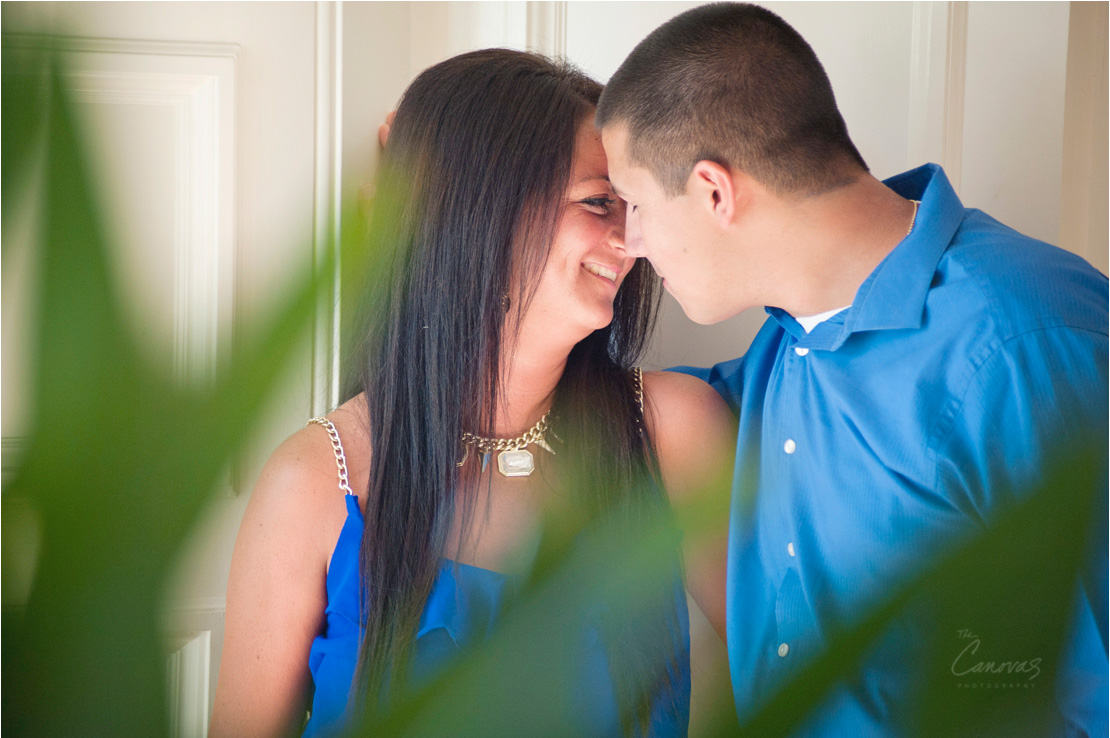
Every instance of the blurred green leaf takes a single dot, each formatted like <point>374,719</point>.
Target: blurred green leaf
<point>520,680</point>
<point>120,463</point>
<point>1014,583</point>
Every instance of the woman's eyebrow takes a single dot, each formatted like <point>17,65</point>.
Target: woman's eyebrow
<point>616,189</point>
<point>590,177</point>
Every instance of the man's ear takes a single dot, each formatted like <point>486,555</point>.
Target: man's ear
<point>716,187</point>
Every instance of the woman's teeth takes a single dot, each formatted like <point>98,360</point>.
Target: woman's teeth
<point>601,272</point>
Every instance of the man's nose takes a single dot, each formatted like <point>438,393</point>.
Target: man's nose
<point>633,236</point>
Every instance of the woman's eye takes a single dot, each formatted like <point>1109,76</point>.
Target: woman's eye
<point>601,204</point>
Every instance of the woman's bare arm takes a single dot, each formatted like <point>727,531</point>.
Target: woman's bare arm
<point>276,590</point>
<point>695,438</point>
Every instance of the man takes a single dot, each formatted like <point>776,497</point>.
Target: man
<point>921,360</point>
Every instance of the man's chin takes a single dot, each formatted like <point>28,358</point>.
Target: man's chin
<point>704,319</point>
<point>699,312</point>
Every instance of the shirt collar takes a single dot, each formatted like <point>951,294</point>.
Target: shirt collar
<point>893,295</point>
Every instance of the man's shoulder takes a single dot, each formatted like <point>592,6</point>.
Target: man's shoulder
<point>1020,283</point>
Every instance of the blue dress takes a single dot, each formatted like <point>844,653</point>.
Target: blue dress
<point>461,610</point>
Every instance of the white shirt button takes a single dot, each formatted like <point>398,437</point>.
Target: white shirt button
<point>790,548</point>
<point>789,447</point>
<point>801,351</point>
<point>783,650</point>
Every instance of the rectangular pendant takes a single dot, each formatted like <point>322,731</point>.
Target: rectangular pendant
<point>517,463</point>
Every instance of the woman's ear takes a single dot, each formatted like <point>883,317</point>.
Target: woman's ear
<point>715,186</point>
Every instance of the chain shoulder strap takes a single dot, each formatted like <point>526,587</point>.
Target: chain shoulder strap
<point>337,447</point>
<point>638,387</point>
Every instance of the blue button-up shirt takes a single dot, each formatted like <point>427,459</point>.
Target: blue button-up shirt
<point>891,429</point>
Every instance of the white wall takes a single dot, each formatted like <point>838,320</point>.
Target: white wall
<point>1084,211</point>
<point>1013,137</point>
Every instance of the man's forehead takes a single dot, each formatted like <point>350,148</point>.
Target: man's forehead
<point>621,179</point>
<point>614,137</point>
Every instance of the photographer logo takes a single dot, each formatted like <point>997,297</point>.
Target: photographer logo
<point>976,671</point>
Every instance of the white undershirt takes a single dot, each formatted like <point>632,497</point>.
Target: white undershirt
<point>809,322</point>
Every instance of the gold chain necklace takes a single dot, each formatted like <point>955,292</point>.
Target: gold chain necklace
<point>514,460</point>
<point>913,220</point>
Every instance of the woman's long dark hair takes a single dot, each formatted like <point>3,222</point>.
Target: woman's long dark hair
<point>470,190</point>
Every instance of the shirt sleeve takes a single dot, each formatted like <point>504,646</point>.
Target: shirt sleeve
<point>1030,404</point>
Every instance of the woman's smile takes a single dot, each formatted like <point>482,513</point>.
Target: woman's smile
<point>607,273</point>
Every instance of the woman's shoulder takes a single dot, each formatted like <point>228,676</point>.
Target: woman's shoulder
<point>299,486</point>
<point>348,435</point>
<point>691,427</point>
<point>680,399</point>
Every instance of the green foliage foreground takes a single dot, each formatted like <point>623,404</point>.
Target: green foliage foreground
<point>122,459</point>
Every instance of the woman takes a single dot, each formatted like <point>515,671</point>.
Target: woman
<point>498,367</point>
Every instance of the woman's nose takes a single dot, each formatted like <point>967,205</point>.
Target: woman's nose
<point>616,233</point>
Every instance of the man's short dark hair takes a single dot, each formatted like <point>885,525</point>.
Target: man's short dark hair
<point>734,84</point>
